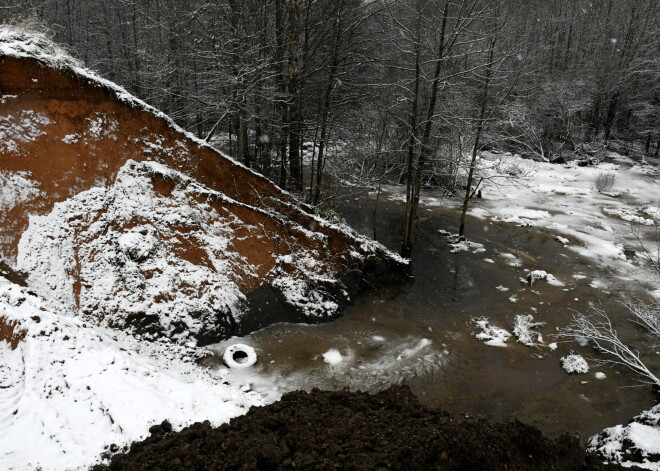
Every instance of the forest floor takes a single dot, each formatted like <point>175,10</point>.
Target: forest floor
<point>341,430</point>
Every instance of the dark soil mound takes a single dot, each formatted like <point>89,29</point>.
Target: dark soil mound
<point>353,431</point>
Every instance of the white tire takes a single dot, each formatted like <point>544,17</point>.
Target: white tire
<point>246,356</point>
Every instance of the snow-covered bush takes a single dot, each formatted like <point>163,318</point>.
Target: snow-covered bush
<point>637,443</point>
<point>574,363</point>
<point>523,329</point>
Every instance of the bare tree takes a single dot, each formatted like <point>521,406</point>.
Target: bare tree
<point>598,329</point>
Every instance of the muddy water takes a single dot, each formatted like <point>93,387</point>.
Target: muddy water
<point>422,333</point>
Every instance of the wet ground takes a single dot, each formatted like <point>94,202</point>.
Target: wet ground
<point>421,334</point>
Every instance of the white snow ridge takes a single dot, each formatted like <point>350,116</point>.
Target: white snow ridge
<point>69,389</point>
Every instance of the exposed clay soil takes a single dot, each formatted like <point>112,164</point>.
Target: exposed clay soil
<point>65,134</point>
<point>325,430</point>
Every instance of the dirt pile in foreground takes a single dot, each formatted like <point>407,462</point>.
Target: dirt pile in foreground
<point>353,431</point>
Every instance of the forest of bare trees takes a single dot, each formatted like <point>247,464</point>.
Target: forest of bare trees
<point>373,89</point>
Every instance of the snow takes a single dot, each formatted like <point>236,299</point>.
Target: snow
<point>27,127</point>
<point>332,357</point>
<point>15,188</point>
<point>414,350</point>
<point>534,275</point>
<point>492,335</point>
<point>115,251</point>
<point>635,444</point>
<point>574,363</point>
<point>71,388</point>
<point>561,198</point>
<point>461,244</point>
<point>523,329</point>
<point>511,259</point>
<point>628,215</point>
<point>600,375</point>
<point>126,271</point>
<point>653,211</point>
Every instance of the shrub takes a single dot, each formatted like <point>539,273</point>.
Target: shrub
<point>604,182</point>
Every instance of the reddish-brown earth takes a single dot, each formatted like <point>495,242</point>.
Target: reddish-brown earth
<point>65,133</point>
<point>353,431</point>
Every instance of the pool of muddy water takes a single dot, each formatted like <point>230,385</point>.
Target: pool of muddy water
<point>421,333</point>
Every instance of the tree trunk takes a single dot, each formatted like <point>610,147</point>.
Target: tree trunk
<point>327,101</point>
<point>477,137</point>
<point>611,113</point>
<point>424,149</point>
<point>282,86</point>
<point>406,247</point>
<point>295,127</point>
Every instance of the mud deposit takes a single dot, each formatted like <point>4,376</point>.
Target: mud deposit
<point>353,431</point>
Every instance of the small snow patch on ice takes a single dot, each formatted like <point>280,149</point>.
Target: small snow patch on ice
<point>332,357</point>
<point>535,275</point>
<point>489,260</point>
<point>562,240</point>
<point>629,216</point>
<point>653,211</point>
<point>461,244</point>
<point>501,288</point>
<point>597,284</point>
<point>492,335</point>
<point>600,375</point>
<point>511,259</point>
<point>409,352</point>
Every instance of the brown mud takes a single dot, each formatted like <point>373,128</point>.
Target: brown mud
<point>341,430</point>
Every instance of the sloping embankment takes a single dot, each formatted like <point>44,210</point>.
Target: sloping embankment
<point>111,208</point>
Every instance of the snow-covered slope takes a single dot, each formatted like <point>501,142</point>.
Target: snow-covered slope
<point>128,218</point>
<point>69,389</point>
<point>159,251</point>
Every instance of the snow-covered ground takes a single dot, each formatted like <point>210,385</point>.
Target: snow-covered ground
<point>69,389</point>
<point>563,198</point>
<point>634,444</point>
